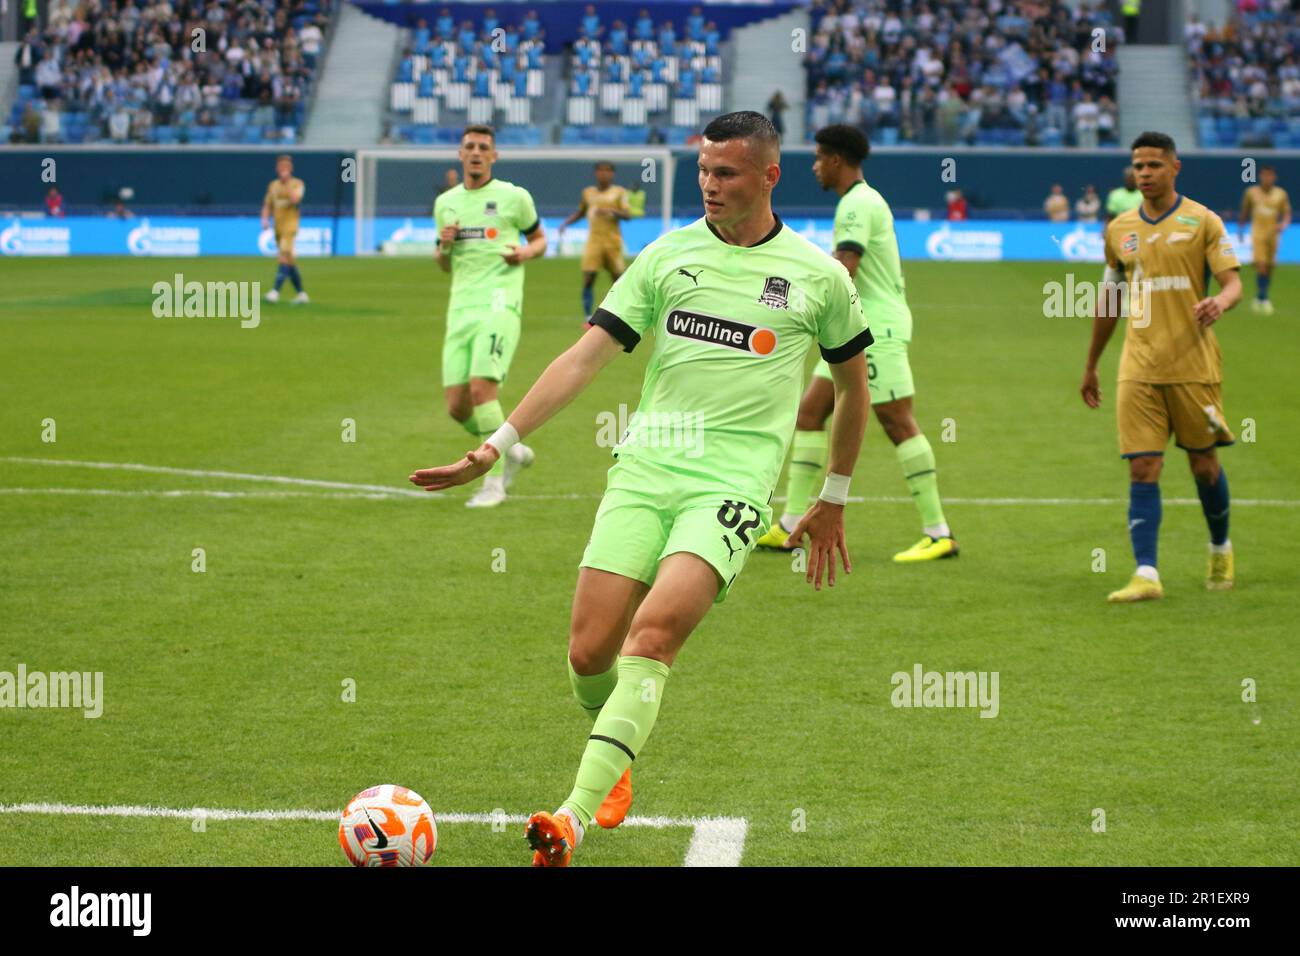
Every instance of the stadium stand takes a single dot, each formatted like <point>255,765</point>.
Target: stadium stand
<point>621,83</point>
<point>154,71</point>
<point>1247,77</point>
<point>978,72</point>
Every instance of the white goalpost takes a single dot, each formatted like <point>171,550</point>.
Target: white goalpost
<point>396,187</point>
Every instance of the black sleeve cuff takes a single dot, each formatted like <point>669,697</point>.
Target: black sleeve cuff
<point>620,330</point>
<point>531,229</point>
<point>848,245</point>
<point>849,349</point>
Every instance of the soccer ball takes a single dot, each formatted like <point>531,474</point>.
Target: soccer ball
<point>388,826</point>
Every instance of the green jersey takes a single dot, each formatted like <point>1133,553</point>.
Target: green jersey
<point>732,325</point>
<point>1120,200</point>
<point>864,224</point>
<point>636,202</point>
<point>489,220</point>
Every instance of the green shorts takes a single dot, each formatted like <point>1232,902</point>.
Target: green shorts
<point>480,344</point>
<point>889,374</point>
<point>649,512</point>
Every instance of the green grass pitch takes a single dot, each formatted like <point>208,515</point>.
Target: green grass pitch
<point>224,688</point>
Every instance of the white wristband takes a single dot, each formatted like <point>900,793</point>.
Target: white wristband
<point>836,489</point>
<point>503,438</point>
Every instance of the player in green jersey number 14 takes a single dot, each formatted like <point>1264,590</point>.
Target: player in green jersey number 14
<point>479,224</point>
<point>734,299</point>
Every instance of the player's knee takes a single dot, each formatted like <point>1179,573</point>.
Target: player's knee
<point>652,638</point>
<point>1205,468</point>
<point>810,421</point>
<point>1146,468</point>
<point>586,656</point>
<point>482,390</point>
<point>899,428</point>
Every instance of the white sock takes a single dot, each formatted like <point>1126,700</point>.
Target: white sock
<point>937,531</point>
<point>1148,572</point>
<point>1225,548</point>
<point>494,483</point>
<point>788,521</point>
<point>577,824</point>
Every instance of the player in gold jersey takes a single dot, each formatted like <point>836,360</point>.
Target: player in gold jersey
<point>1170,369</point>
<point>1269,210</point>
<point>605,206</point>
<point>282,204</point>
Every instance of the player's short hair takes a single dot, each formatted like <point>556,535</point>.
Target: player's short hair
<point>483,128</point>
<point>605,164</point>
<point>283,158</point>
<point>744,124</point>
<point>847,142</point>
<point>1267,168</point>
<point>1161,141</point>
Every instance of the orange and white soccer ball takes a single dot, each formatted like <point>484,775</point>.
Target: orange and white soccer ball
<point>388,826</point>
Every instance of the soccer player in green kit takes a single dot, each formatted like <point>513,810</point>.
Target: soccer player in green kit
<point>479,223</point>
<point>734,301</point>
<point>865,244</point>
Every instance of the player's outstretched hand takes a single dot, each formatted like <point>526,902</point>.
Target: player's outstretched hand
<point>514,255</point>
<point>1207,311</point>
<point>824,525</point>
<point>475,464</point>
<point>1091,388</point>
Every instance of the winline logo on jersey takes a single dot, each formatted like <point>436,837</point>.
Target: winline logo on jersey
<point>728,333</point>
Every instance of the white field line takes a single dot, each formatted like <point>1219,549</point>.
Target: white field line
<point>380,492</point>
<point>716,841</point>
<point>201,473</point>
<point>393,494</point>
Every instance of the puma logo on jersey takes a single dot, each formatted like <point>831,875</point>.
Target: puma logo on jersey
<point>694,278</point>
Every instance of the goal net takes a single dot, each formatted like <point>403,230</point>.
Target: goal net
<point>396,188</point>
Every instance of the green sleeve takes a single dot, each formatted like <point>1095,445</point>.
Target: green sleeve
<point>525,211</point>
<point>841,327</point>
<point>632,303</point>
<point>852,229</point>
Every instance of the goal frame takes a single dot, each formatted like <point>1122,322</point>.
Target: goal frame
<point>369,157</point>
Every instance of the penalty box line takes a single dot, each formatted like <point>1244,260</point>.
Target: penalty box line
<point>715,841</point>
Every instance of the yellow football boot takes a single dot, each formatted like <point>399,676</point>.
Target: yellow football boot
<point>1220,575</point>
<point>774,538</point>
<point>929,549</point>
<point>1137,589</point>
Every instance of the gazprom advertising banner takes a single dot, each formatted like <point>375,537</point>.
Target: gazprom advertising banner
<point>971,241</point>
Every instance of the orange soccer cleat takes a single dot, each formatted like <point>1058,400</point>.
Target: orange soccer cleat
<point>552,837</point>
<point>616,805</point>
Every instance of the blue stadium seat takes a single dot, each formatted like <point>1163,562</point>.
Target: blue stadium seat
<point>165,135</point>
<point>633,135</point>
<point>569,136</point>
<point>677,135</point>
<point>889,136</point>
<point>252,134</point>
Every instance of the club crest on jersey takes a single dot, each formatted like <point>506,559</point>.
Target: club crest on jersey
<point>776,293</point>
<point>1129,243</point>
<point>490,209</point>
<point>727,333</point>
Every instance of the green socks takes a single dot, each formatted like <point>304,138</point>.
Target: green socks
<point>619,733</point>
<point>488,417</point>
<point>806,466</point>
<point>917,461</point>
<point>592,690</point>
<point>470,425</point>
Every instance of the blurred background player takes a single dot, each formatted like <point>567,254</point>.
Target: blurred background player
<point>1123,198</point>
<point>605,205</point>
<point>1171,368</point>
<point>282,204</point>
<point>865,244</point>
<point>1269,210</point>
<point>479,222</point>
